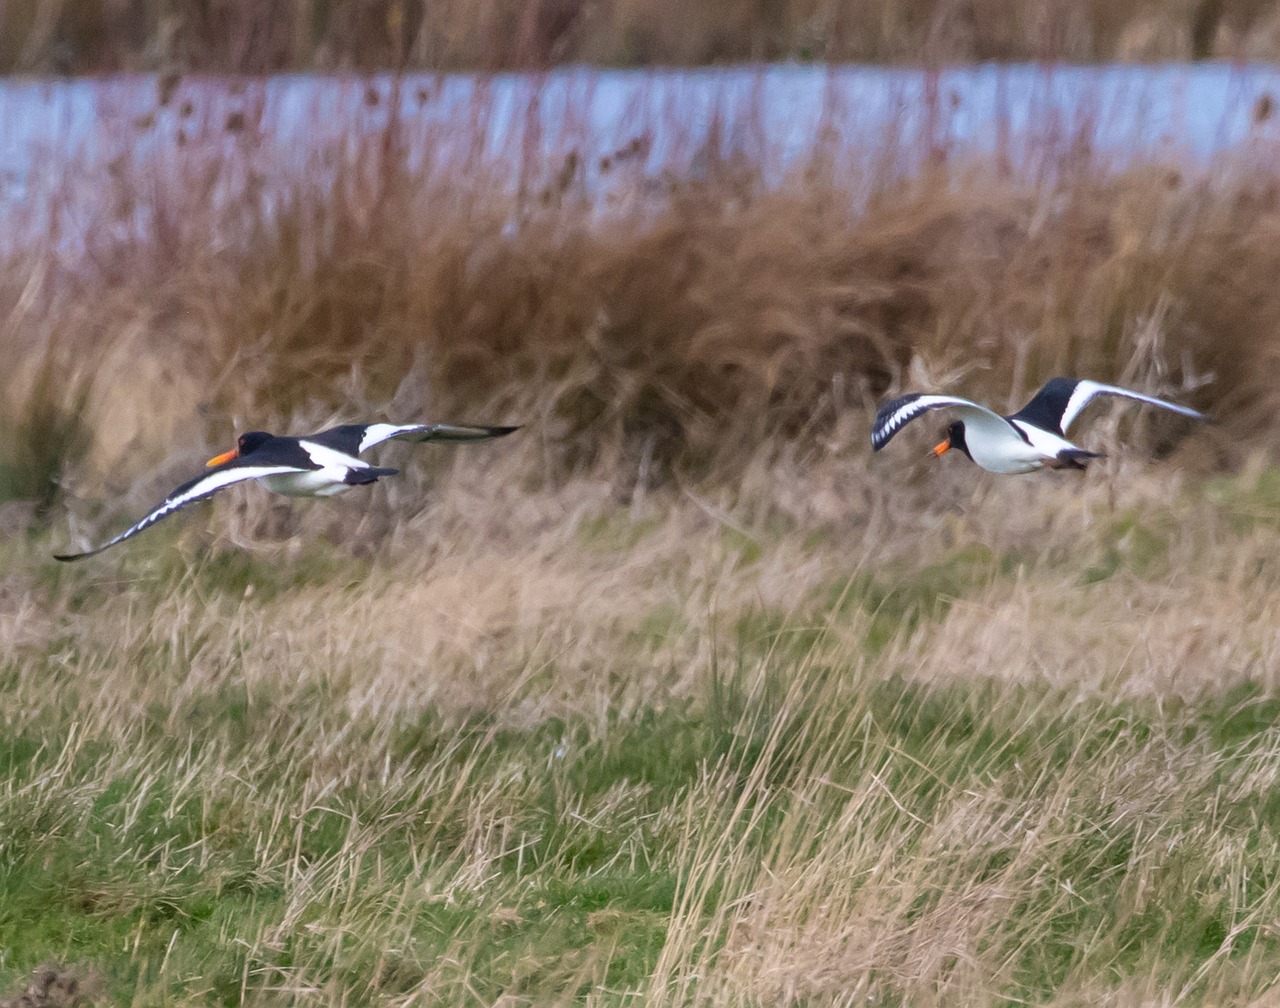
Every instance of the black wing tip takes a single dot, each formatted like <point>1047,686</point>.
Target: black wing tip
<point>898,401</point>
<point>465,432</point>
<point>68,557</point>
<point>881,432</point>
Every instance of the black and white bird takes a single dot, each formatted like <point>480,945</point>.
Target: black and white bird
<point>318,465</point>
<point>1032,438</point>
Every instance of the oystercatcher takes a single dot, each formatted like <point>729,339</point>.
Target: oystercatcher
<point>1033,437</point>
<point>318,465</point>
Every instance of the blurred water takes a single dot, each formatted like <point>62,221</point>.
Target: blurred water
<point>66,145</point>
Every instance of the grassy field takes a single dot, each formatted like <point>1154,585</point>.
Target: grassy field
<point>679,695</point>
<point>908,734</point>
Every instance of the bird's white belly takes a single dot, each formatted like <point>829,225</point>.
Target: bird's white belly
<point>315,483</point>
<point>1012,454</point>
<point>1007,456</point>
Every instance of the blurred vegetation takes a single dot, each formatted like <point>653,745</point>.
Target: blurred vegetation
<point>670,329</point>
<point>257,36</point>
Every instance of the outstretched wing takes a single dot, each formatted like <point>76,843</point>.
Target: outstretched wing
<point>203,486</point>
<point>357,438</point>
<point>1061,400</point>
<point>897,413</point>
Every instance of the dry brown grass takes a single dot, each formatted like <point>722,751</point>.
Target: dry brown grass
<point>243,36</point>
<point>1100,594</point>
<point>839,860</point>
<point>667,334</point>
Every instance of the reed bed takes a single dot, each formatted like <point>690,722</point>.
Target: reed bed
<point>240,36</point>
<point>665,322</point>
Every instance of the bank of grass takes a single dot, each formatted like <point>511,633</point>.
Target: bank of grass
<point>692,751</point>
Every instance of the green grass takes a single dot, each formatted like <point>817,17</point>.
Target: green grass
<point>547,861</point>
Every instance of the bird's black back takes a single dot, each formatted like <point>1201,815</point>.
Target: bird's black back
<point>1047,406</point>
<point>345,439</point>
<point>259,448</point>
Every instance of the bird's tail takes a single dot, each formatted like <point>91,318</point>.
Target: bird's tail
<point>1075,458</point>
<point>371,474</point>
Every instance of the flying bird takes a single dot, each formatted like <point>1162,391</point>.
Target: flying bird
<point>1032,438</point>
<point>317,465</point>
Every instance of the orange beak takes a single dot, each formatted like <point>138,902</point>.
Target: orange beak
<point>942,449</point>
<point>224,457</point>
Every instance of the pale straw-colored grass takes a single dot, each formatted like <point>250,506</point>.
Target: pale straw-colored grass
<point>843,862</point>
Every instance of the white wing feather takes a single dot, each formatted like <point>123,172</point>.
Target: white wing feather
<point>376,433</point>
<point>1086,391</point>
<point>897,413</point>
<point>195,490</point>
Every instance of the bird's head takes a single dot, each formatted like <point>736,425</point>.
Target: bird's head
<point>952,437</point>
<point>245,444</point>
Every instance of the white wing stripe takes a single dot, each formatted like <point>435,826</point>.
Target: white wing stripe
<point>1080,397</point>
<point>198,490</point>
<point>888,424</point>
<point>327,458</point>
<point>1086,391</point>
<point>376,433</point>
<point>211,484</point>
